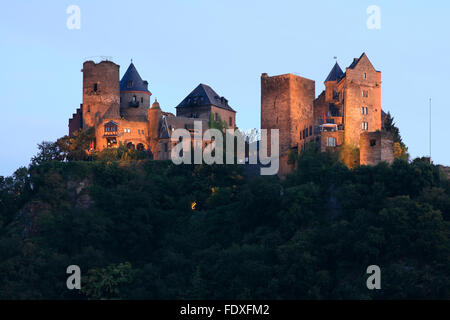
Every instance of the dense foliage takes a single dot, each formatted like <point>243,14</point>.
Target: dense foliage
<point>154,230</point>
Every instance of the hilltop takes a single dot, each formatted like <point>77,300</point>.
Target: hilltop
<point>145,229</point>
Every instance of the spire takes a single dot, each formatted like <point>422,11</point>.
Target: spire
<point>155,104</point>
<point>335,73</point>
<point>132,81</point>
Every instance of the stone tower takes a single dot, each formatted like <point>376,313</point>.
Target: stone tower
<point>376,147</point>
<point>154,118</point>
<point>134,95</point>
<point>362,99</point>
<point>100,92</point>
<point>287,104</point>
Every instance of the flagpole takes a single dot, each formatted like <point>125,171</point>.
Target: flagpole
<point>430,130</point>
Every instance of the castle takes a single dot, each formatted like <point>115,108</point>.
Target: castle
<point>120,112</point>
<point>348,112</point>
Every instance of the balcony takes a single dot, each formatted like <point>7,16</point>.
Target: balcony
<point>134,104</point>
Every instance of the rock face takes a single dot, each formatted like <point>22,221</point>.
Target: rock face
<point>79,193</point>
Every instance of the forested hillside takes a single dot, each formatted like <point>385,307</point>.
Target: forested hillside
<point>142,229</point>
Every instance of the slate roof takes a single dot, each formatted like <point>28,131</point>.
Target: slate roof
<point>204,95</point>
<point>335,74</point>
<point>132,77</point>
<point>170,123</point>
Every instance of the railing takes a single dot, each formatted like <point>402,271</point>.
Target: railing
<point>134,104</point>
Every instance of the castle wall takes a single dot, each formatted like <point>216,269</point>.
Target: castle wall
<point>76,122</point>
<point>376,147</point>
<point>338,135</point>
<point>134,110</point>
<point>128,131</point>
<point>225,115</point>
<point>101,93</point>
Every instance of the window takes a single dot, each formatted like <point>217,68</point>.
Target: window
<point>373,142</point>
<point>129,84</point>
<point>310,130</point>
<point>365,75</point>
<point>142,100</point>
<point>364,110</point>
<point>95,87</point>
<point>230,121</point>
<point>166,148</point>
<point>215,116</point>
<point>365,93</point>
<point>365,126</point>
<point>139,131</point>
<point>134,98</point>
<point>331,142</point>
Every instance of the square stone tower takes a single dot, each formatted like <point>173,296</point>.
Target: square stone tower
<point>287,104</point>
<point>361,88</point>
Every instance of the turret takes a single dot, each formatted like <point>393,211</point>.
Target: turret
<point>331,82</point>
<point>101,92</point>
<point>134,95</point>
<point>154,115</point>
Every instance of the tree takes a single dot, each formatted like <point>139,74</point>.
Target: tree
<point>400,149</point>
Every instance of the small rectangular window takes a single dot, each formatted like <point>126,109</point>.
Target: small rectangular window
<point>331,142</point>
<point>230,122</point>
<point>95,87</point>
<point>365,75</point>
<point>373,142</point>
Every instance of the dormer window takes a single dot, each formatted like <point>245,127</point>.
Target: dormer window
<point>129,84</point>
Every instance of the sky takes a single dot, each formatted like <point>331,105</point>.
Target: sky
<point>177,44</point>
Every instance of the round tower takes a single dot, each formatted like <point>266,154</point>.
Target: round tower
<point>101,94</point>
<point>134,95</point>
<point>154,118</point>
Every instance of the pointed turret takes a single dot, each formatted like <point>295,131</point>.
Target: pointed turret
<point>335,74</point>
<point>132,81</point>
<point>134,95</point>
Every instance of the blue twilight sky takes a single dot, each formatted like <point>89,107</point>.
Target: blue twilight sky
<point>176,45</point>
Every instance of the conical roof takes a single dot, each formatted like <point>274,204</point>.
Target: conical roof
<point>132,81</point>
<point>335,73</point>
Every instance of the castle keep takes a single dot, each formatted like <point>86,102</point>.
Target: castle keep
<point>120,111</point>
<point>348,112</point>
